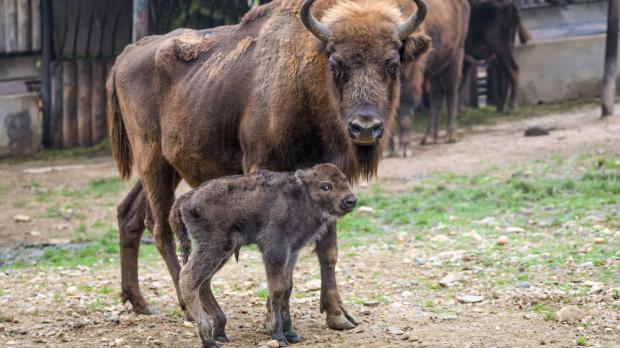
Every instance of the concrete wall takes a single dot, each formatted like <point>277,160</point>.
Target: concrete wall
<point>565,58</point>
<point>561,69</point>
<point>20,125</point>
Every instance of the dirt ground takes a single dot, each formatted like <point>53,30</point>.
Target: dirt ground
<point>79,307</point>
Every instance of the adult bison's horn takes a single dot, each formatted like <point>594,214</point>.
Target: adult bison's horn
<point>413,22</point>
<point>317,28</point>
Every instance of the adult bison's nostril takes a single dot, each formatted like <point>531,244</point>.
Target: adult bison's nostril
<point>366,128</point>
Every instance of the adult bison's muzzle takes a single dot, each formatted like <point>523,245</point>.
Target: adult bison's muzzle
<point>366,128</point>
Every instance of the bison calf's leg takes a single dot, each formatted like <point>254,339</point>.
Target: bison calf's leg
<point>131,220</point>
<point>195,290</point>
<point>278,281</point>
<point>287,324</point>
<point>327,251</point>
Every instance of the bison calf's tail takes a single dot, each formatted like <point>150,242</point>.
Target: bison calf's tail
<point>180,229</point>
<point>121,148</point>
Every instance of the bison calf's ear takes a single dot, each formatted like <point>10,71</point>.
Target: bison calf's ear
<point>415,48</point>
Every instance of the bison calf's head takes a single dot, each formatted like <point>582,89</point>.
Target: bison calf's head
<point>365,44</point>
<point>329,189</point>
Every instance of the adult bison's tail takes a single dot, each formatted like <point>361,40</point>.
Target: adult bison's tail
<point>179,228</point>
<point>121,148</point>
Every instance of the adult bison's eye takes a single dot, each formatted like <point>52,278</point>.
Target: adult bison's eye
<point>326,187</point>
<point>338,70</point>
<point>393,67</point>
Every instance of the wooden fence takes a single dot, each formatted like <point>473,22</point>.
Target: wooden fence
<point>85,37</point>
<point>20,30</point>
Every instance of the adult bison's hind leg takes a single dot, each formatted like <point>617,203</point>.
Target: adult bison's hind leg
<point>131,223</point>
<point>327,251</point>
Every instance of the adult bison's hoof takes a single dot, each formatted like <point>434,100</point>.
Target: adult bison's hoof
<point>343,321</point>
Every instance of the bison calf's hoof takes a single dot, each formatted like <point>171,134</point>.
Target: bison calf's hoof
<point>292,336</point>
<point>221,338</point>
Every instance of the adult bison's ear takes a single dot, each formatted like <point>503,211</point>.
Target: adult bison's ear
<point>415,47</point>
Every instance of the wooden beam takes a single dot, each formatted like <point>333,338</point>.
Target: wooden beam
<point>611,58</point>
<point>47,56</point>
<point>10,26</point>
<point>35,23</point>
<point>140,24</point>
<point>23,26</point>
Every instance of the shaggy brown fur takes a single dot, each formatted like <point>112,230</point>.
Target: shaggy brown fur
<point>493,27</point>
<point>279,212</point>
<point>264,94</point>
<point>447,24</point>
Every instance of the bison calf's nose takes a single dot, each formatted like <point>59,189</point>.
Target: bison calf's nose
<point>366,128</point>
<point>348,204</point>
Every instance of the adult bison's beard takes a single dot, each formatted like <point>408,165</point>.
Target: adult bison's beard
<point>368,160</point>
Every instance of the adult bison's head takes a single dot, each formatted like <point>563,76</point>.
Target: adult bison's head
<point>367,43</point>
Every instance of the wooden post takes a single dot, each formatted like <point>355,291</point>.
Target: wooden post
<point>611,58</point>
<point>83,103</point>
<point>47,56</point>
<point>140,27</point>
<point>35,24</point>
<point>2,37</point>
<point>10,26</point>
<point>53,126</point>
<point>23,25</point>
<point>97,101</point>
<point>69,104</point>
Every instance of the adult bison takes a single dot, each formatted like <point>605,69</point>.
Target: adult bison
<point>447,25</point>
<point>287,88</point>
<point>492,30</point>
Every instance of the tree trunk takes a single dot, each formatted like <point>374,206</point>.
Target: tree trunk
<point>98,101</point>
<point>56,138</point>
<point>83,103</point>
<point>69,104</point>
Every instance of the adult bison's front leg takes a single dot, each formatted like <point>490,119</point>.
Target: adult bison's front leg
<point>337,316</point>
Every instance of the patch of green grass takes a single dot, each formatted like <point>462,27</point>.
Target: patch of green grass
<point>85,288</point>
<point>476,116</point>
<point>175,312</point>
<point>262,293</point>
<point>20,204</point>
<point>104,290</point>
<point>103,250</point>
<point>546,310</point>
<point>581,341</point>
<point>53,212</point>
<point>101,149</point>
<point>97,305</point>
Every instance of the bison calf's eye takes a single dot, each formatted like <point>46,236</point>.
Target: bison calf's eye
<point>326,187</point>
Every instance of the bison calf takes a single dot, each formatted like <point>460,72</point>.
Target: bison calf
<point>280,212</point>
